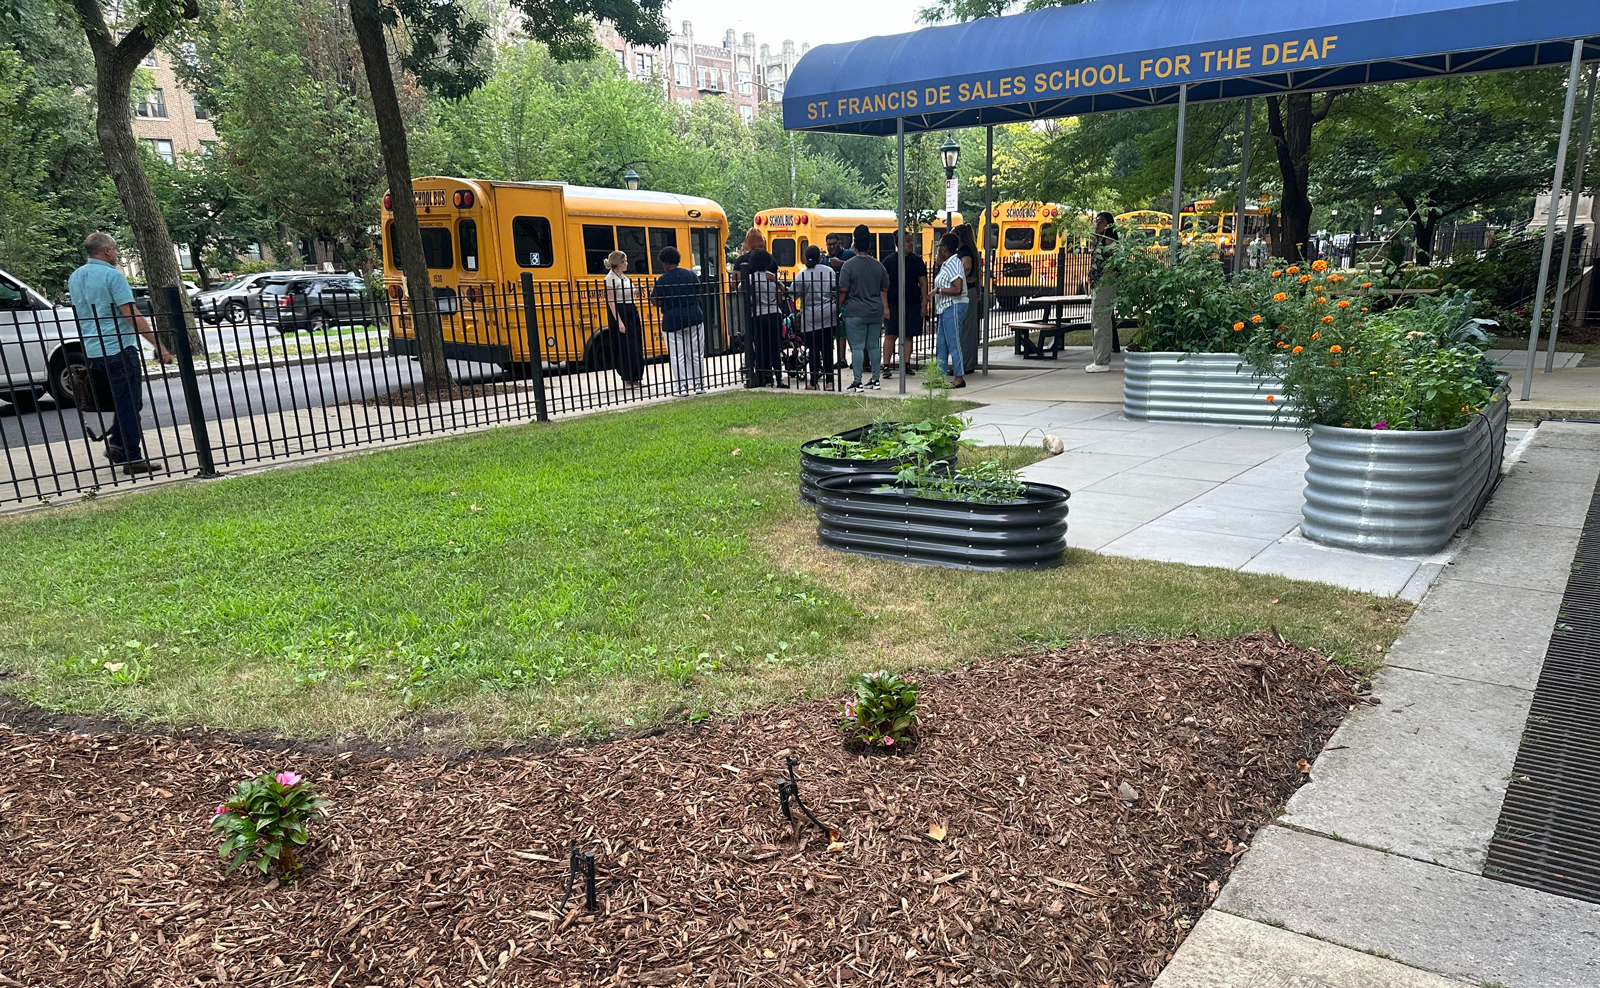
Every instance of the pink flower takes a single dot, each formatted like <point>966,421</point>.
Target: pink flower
<point>888,741</point>
<point>849,710</point>
<point>1381,425</point>
<point>288,779</point>
<point>222,808</point>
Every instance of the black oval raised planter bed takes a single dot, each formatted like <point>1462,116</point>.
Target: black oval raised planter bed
<point>814,466</point>
<point>853,515</point>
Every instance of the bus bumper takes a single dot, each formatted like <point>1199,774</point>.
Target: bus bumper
<point>476,353</point>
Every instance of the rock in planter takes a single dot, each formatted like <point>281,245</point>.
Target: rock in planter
<point>1211,388</point>
<point>814,466</point>
<point>1401,492</point>
<point>853,515</point>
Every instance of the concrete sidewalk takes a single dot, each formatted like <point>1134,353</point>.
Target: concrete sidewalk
<point>1374,875</point>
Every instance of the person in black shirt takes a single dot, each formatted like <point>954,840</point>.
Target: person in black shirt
<point>916,290</point>
<point>971,328</point>
<point>1102,308</point>
<point>839,252</point>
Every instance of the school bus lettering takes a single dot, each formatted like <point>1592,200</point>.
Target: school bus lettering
<point>431,197</point>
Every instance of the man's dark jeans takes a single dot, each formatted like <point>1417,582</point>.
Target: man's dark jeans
<point>125,372</point>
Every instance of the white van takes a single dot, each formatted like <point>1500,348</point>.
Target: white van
<point>38,341</point>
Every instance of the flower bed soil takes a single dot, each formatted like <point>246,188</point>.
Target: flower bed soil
<point>441,872</point>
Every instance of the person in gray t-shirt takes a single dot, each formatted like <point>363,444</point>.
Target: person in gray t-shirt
<point>864,297</point>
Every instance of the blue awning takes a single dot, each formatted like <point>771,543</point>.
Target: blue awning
<point>1128,54</point>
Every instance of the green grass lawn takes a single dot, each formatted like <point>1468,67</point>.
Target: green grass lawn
<point>591,575</point>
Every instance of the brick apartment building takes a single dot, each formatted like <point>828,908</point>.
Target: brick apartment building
<point>737,69</point>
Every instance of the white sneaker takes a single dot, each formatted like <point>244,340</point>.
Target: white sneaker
<point>1098,368</point>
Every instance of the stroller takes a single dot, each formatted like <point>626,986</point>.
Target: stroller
<point>796,355</point>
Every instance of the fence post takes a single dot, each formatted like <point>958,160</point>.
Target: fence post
<point>1061,270</point>
<point>530,316</point>
<point>179,332</point>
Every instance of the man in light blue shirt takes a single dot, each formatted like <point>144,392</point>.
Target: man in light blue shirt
<point>110,325</point>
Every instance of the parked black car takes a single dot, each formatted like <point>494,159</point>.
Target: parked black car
<point>316,302</point>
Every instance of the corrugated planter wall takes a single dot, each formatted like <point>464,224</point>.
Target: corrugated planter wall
<point>855,516</point>
<point>1401,492</point>
<point>1210,388</point>
<point>814,466</point>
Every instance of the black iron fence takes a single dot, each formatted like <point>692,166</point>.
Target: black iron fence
<point>90,405</point>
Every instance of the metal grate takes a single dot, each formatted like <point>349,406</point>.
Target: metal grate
<point>1548,835</point>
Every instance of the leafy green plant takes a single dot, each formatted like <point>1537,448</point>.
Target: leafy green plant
<point>266,821</point>
<point>884,711</point>
<point>984,482</point>
<point>1185,306</point>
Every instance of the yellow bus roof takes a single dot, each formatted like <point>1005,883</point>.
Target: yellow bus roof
<point>587,201</point>
<point>843,218</point>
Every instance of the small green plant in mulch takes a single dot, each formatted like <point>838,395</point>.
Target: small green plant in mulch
<point>884,711</point>
<point>983,482</point>
<point>266,820</point>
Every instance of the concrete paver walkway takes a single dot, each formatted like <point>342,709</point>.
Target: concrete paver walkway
<point>1383,853</point>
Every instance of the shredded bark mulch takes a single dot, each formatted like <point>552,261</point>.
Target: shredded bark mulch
<point>407,397</point>
<point>1091,800</point>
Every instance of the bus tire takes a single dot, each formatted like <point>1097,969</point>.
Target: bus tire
<point>600,352</point>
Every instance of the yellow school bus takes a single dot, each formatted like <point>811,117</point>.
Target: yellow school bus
<point>1147,222</point>
<point>1024,237</point>
<point>789,231</point>
<point>1205,221</point>
<point>479,237</point>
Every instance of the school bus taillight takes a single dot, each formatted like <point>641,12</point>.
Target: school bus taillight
<point>464,199</point>
<point>388,201</point>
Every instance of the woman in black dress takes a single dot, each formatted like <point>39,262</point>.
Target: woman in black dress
<point>624,319</point>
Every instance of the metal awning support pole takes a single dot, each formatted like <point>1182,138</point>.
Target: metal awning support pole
<point>988,252</point>
<point>1572,220</point>
<point>900,250</point>
<point>1550,218</point>
<point>1244,187</point>
<point>1177,170</point>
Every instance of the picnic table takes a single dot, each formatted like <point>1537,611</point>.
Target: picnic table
<point>1053,328</point>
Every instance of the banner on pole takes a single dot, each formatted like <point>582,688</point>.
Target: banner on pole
<point>951,190</point>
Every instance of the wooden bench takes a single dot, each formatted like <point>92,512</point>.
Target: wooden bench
<point>1049,330</point>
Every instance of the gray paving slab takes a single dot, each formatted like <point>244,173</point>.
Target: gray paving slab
<point>1140,444</point>
<point>1175,545</point>
<point>1227,519</point>
<point>1568,435</point>
<point>1448,922</point>
<point>1274,473</point>
<point>1228,449</point>
<point>1533,557</point>
<point>1417,587</point>
<point>1386,576</point>
<point>995,434</point>
<point>1561,464</point>
<point>1174,490</point>
<point>1166,466</point>
<point>1290,498</point>
<point>1227,951</point>
<point>1521,498</point>
<point>1075,470</point>
<point>1102,508</point>
<point>1449,635</point>
<point>1423,773</point>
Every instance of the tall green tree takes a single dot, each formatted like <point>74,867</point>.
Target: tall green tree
<point>209,207</point>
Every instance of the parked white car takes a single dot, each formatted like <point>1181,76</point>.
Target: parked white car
<point>38,341</point>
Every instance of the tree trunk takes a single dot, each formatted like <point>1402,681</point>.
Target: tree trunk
<point>407,236</point>
<point>1290,120</point>
<point>114,66</point>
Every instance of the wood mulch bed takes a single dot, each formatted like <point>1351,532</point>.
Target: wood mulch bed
<point>1091,801</point>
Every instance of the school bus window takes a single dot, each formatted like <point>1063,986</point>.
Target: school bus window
<point>436,247</point>
<point>1019,238</point>
<point>388,245</point>
<point>530,239</point>
<point>467,233</point>
<point>1047,240</point>
<point>991,237</point>
<point>885,245</point>
<point>598,242</point>
<point>631,240</point>
<point>660,237</point>
<point>804,243</point>
<point>783,252</point>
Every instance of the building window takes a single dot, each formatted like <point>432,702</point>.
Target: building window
<point>185,257</point>
<point>153,106</point>
<point>622,60</point>
<point>747,114</point>
<point>724,80</point>
<point>680,55</point>
<point>161,148</point>
<point>646,64</point>
<point>201,110</point>
<point>254,253</point>
<point>680,75</point>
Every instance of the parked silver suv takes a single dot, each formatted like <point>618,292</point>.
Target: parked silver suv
<point>38,342</point>
<point>236,299</point>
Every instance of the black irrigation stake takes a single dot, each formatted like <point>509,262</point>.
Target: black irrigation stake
<point>789,792</point>
<point>579,862</point>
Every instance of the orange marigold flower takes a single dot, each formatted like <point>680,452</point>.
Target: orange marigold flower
<point>1327,319</point>
<point>1255,318</point>
<point>1238,326</point>
<point>1281,296</point>
<point>1333,363</point>
<point>1344,303</point>
<point>1336,278</point>
<point>1322,300</point>
<point>1319,265</point>
<point>1366,284</point>
<point>1298,349</point>
<point>1365,309</point>
<point>1272,397</point>
<point>1293,269</point>
<point>1316,336</point>
<point>1304,278</point>
<point>1336,348</point>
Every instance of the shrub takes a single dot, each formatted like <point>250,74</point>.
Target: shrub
<point>1186,307</point>
<point>984,482</point>
<point>884,711</point>
<point>266,819</point>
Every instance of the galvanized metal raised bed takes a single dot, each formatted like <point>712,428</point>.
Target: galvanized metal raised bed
<point>1401,492</point>
<point>815,466</point>
<point>1211,388</point>
<point>854,515</point>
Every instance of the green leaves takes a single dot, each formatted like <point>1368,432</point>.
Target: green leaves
<point>884,710</point>
<point>267,818</point>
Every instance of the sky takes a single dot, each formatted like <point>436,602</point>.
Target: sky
<point>818,24</point>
